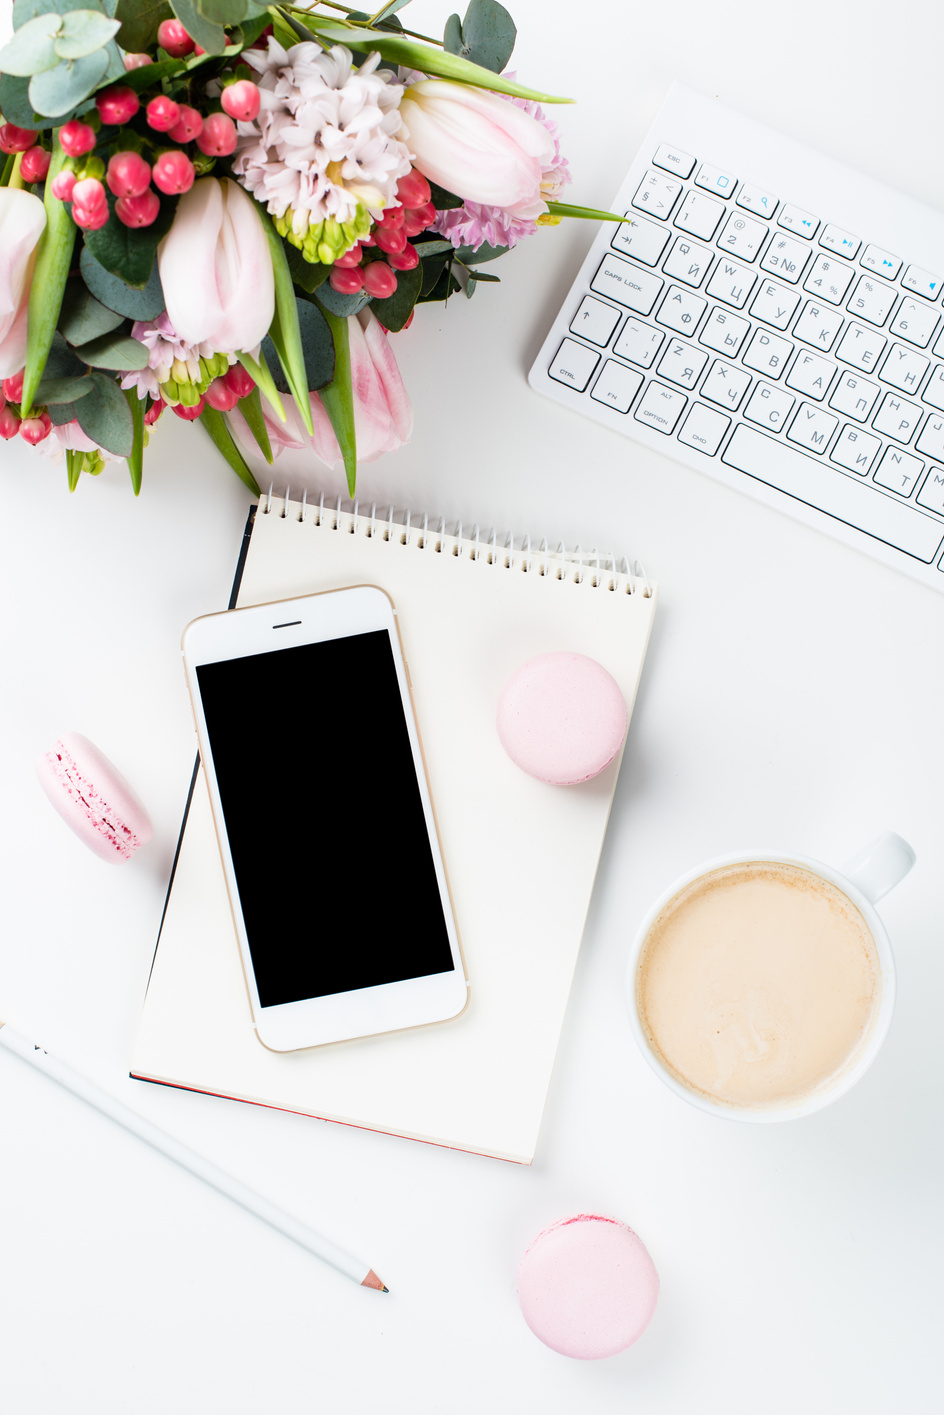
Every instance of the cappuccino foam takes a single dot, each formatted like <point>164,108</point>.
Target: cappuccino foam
<point>757,984</point>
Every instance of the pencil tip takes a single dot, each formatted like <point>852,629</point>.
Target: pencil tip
<point>372,1280</point>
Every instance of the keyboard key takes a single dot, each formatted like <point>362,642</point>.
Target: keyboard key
<point>786,257</point>
<point>725,385</point>
<point>934,393</point>
<point>638,343</point>
<point>688,262</point>
<point>617,386</point>
<point>898,471</point>
<point>642,239</point>
<point>672,159</point>
<point>724,332</point>
<point>699,215</point>
<point>829,278</point>
<point>635,289</point>
<point>922,282</point>
<point>855,503</point>
<point>574,364</point>
<point>931,441</point>
<point>882,262</point>
<point>871,300</point>
<point>657,194</point>
<point>681,310</point>
<point>811,375</point>
<point>704,429</point>
<point>897,418</point>
<point>714,180</point>
<point>595,321</point>
<point>742,237</point>
<point>812,428</point>
<point>861,347</point>
<point>802,223</point>
<point>904,369</point>
<point>731,283</point>
<point>758,201</point>
<point>855,396</point>
<point>682,364</point>
<point>767,353</point>
<point>769,407</point>
<point>818,325</point>
<point>915,322</point>
<point>931,494</point>
<point>855,449</point>
<point>842,242</point>
<point>775,305</point>
<point>660,408</point>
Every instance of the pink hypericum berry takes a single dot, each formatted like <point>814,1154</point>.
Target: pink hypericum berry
<point>189,414</point>
<point>379,279</point>
<point>142,210</point>
<point>198,50</point>
<point>137,61</point>
<point>346,281</point>
<point>407,259</point>
<point>14,139</point>
<point>239,380</point>
<point>89,204</point>
<point>35,164</point>
<point>36,428</point>
<point>63,184</point>
<point>221,397</point>
<point>13,387</point>
<point>413,189</point>
<point>188,125</point>
<point>154,412</point>
<point>390,239</point>
<point>349,259</point>
<point>217,137</point>
<point>128,174</point>
<point>77,138</point>
<point>241,100</point>
<point>172,36</point>
<point>173,173</point>
<point>9,424</point>
<point>417,220</point>
<point>162,113</point>
<point>393,216</point>
<point>117,105</point>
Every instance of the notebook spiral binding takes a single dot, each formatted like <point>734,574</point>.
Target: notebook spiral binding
<point>599,570</point>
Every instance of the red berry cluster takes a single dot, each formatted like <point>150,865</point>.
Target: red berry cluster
<point>36,428</point>
<point>390,237</point>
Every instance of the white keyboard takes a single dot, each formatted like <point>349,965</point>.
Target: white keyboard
<point>771,317</point>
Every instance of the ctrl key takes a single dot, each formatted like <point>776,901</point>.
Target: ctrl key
<point>574,364</point>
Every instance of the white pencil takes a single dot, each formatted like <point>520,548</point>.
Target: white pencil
<point>188,1159</point>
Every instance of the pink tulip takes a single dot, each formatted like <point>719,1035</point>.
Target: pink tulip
<point>22,221</point>
<point>216,269</point>
<point>477,145</point>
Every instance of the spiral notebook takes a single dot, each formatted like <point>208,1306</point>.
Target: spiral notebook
<point>521,854</point>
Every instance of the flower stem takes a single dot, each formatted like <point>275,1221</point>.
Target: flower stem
<point>361,24</point>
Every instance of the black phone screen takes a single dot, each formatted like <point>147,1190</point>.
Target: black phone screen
<point>324,816</point>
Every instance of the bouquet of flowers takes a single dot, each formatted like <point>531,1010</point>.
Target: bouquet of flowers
<point>224,208</point>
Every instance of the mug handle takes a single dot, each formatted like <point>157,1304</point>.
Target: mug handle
<point>878,867</point>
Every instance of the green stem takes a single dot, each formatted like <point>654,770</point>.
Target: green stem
<point>50,273</point>
<point>218,430</point>
<point>73,467</point>
<point>285,332</point>
<point>260,375</point>
<point>136,460</point>
<point>364,24</point>
<point>251,409</point>
<point>7,170</point>
<point>586,213</point>
<point>338,398</point>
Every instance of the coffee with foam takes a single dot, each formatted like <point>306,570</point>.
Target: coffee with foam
<point>758,984</point>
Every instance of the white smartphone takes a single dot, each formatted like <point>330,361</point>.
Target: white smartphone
<point>327,833</point>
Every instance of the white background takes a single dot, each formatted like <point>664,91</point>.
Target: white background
<point>792,696</point>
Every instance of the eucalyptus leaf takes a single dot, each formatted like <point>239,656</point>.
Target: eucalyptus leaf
<point>139,22</point>
<point>488,35</point>
<point>309,275</point>
<point>32,48</point>
<point>53,391</point>
<point>395,310</point>
<point>480,275</point>
<point>15,105</point>
<point>129,301</point>
<point>25,10</point>
<point>342,306</point>
<point>82,317</point>
<point>61,362</point>
<point>114,351</point>
<point>443,200</point>
<point>317,345</point>
<point>104,416</point>
<point>485,252</point>
<point>61,413</point>
<point>209,36</point>
<point>432,270</point>
<point>128,251</point>
<point>57,91</point>
<point>452,35</point>
<point>84,31</point>
<point>223,12</point>
<point>386,11</point>
<point>424,249</point>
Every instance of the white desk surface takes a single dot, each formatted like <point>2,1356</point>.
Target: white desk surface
<point>793,695</point>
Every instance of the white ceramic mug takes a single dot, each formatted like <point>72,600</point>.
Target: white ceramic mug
<point>864,880</point>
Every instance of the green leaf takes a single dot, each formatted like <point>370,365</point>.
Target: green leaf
<point>317,349</point>
<point>117,352</point>
<point>50,273</point>
<point>425,249</point>
<point>251,409</point>
<point>82,317</point>
<point>84,31</point>
<point>305,273</point>
<point>73,468</point>
<point>209,36</point>
<point>61,413</point>
<point>387,10</point>
<point>223,12</point>
<point>218,430</point>
<point>127,251</point>
<point>488,35</point>
<point>15,105</point>
<point>32,48</point>
<point>480,275</point>
<point>57,91</point>
<point>586,213</point>
<point>452,35</point>
<point>136,459</point>
<point>485,252</point>
<point>443,200</point>
<point>139,22</point>
<point>260,375</point>
<point>61,361</point>
<point>341,306</point>
<point>251,28</point>
<point>53,391</point>
<point>25,10</point>
<point>105,417</point>
<point>130,301</point>
<point>395,310</point>
<point>284,329</point>
<point>338,399</point>
<point>432,270</point>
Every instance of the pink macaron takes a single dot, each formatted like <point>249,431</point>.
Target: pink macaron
<point>587,1287</point>
<point>93,798</point>
<point>562,718</point>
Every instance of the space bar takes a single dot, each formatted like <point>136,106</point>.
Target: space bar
<point>816,484</point>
